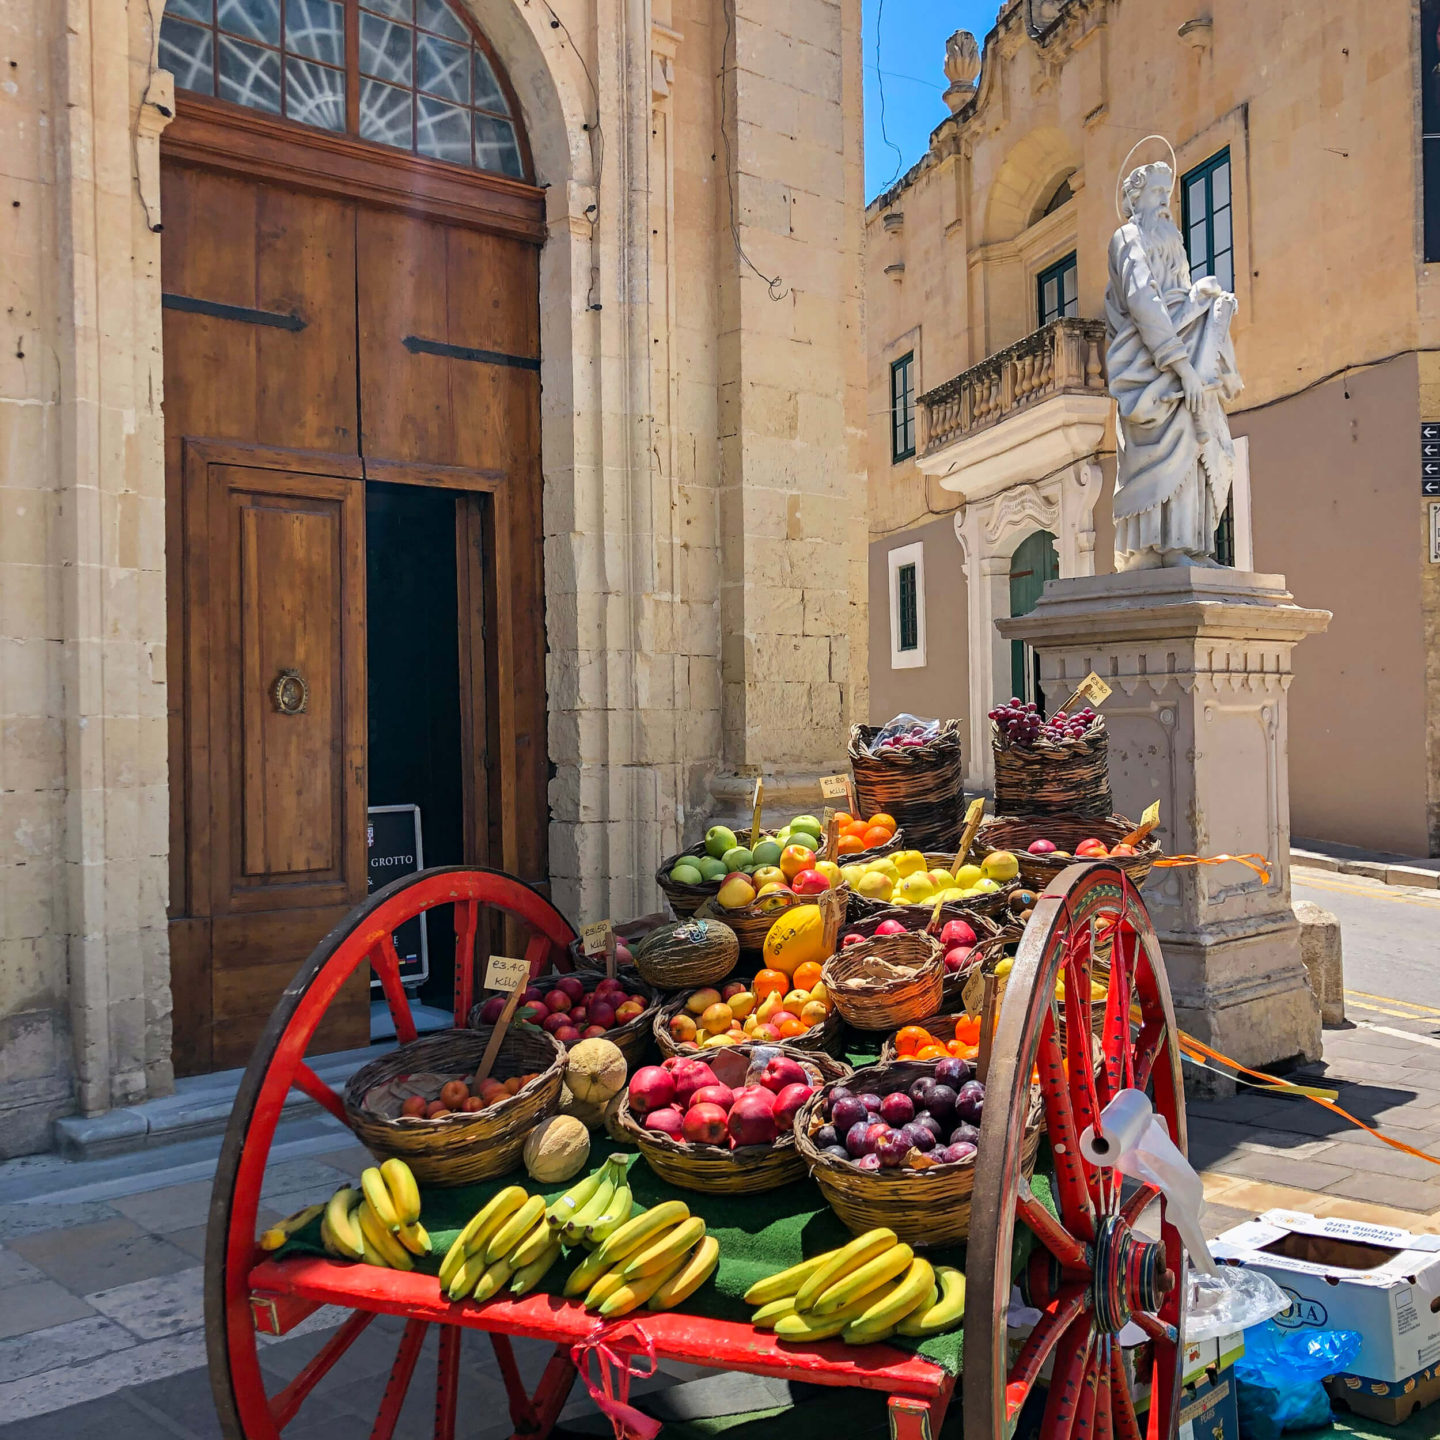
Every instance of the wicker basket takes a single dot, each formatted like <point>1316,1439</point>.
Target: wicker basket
<point>632,1038</point>
<point>630,932</point>
<point>1068,777</point>
<point>685,900</point>
<point>1016,833</point>
<point>922,787</point>
<point>716,1169</point>
<point>459,1149</point>
<point>827,1039</point>
<point>876,1004</point>
<point>925,1208</point>
<point>751,923</point>
<point>690,971</point>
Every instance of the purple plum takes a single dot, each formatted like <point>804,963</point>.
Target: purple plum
<point>921,1089</point>
<point>942,1103</point>
<point>825,1137</point>
<point>870,1101</point>
<point>892,1147</point>
<point>858,1141</point>
<point>921,1137</point>
<point>965,1134</point>
<point>970,1102</point>
<point>897,1109</point>
<point>847,1114</point>
<point>837,1152</point>
<point>952,1071</point>
<point>868,1162</point>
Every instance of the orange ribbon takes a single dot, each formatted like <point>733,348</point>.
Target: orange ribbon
<point>1257,863</point>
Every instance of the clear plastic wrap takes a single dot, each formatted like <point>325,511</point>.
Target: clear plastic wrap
<point>1230,1301</point>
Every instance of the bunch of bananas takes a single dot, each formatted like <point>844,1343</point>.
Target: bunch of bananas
<point>507,1242</point>
<point>866,1291</point>
<point>378,1223</point>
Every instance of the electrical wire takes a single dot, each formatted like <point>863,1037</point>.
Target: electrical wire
<point>776,286</point>
<point>880,88</point>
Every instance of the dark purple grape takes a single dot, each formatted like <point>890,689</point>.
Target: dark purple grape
<point>951,1071</point>
<point>942,1103</point>
<point>867,1162</point>
<point>825,1137</point>
<point>970,1102</point>
<point>965,1134</point>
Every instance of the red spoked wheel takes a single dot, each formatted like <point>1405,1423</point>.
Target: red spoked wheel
<point>1090,1271</point>
<point>279,1063</point>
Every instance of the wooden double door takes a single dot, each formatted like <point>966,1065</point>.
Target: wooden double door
<point>315,345</point>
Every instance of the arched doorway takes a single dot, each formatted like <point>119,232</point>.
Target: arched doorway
<point>354,563</point>
<point>1035,561</point>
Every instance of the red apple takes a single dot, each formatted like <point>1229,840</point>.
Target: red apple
<point>651,1088</point>
<point>556,1000</point>
<point>572,985</point>
<point>809,882</point>
<point>717,1094</point>
<point>765,1031</point>
<point>672,1063</point>
<point>780,1072</point>
<point>1091,849</point>
<point>1041,847</point>
<point>580,1016</point>
<point>788,1103</point>
<point>556,1020</point>
<point>622,953</point>
<point>957,957</point>
<point>956,932</point>
<point>889,927</point>
<point>609,986</point>
<point>690,1076</point>
<point>630,1010</point>
<point>853,938</point>
<point>602,1013</point>
<point>533,995</point>
<point>668,1121</point>
<point>592,1032</point>
<point>566,1034</point>
<point>531,1014</point>
<point>491,1010</point>
<point>705,1125</point>
<point>752,1118</point>
<point>734,987</point>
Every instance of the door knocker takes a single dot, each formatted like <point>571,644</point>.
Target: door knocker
<point>290,693</point>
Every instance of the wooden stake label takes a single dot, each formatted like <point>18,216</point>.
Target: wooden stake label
<point>499,967</point>
<point>1148,821</point>
<point>973,816</point>
<point>831,839</point>
<point>599,939</point>
<point>757,805</point>
<point>1091,688</point>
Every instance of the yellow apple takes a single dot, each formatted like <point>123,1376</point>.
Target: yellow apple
<point>851,874</point>
<point>967,875</point>
<point>831,871</point>
<point>1000,865</point>
<point>915,889</point>
<point>702,1000</point>
<point>875,885</point>
<point>942,879</point>
<point>768,875</point>
<point>907,862</point>
<point>741,1004</point>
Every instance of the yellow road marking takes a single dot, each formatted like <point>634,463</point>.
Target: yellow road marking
<point>1385,1010</point>
<point>1381,892</point>
<point>1393,1000</point>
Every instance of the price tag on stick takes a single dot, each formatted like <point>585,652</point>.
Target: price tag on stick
<point>839,787</point>
<point>599,939</point>
<point>1148,821</point>
<point>1091,688</point>
<point>502,972</point>
<point>757,806</point>
<point>973,816</point>
<point>831,842</point>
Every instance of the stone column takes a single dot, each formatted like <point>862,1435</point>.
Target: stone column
<point>1199,663</point>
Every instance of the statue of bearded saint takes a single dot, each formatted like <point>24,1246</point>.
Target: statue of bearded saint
<point>1171,363</point>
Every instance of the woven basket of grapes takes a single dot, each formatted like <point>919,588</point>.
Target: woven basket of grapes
<point>1055,766</point>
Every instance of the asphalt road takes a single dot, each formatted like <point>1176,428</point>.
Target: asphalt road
<point>1390,937</point>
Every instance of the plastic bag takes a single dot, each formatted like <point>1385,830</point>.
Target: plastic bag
<point>1233,1300</point>
<point>904,730</point>
<point>1278,1378</point>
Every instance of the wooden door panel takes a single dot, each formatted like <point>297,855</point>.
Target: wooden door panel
<point>287,594</point>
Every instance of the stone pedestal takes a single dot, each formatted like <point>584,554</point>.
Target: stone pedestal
<point>1199,663</point>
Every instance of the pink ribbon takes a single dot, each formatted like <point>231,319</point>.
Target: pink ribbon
<point>612,1394</point>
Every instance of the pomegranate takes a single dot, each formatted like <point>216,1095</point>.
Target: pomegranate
<point>651,1088</point>
<point>752,1118</point>
<point>705,1124</point>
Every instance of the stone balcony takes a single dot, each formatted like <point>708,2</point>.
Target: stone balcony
<point>1020,414</point>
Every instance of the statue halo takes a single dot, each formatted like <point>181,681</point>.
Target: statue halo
<point>1120,177</point>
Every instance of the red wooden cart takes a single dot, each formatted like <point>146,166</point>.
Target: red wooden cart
<point>1089,1274</point>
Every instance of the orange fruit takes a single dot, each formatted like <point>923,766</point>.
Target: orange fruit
<point>876,836</point>
<point>911,1038</point>
<point>790,1025</point>
<point>967,1028</point>
<point>770,982</point>
<point>513,1084</point>
<point>885,821</point>
<point>844,819</point>
<point>806,976</point>
<point>849,844</point>
<point>855,827</point>
<point>931,1052</point>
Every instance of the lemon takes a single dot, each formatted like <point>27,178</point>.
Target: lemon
<point>967,875</point>
<point>875,885</point>
<point>908,862</point>
<point>1005,966</point>
<point>915,889</point>
<point>1000,865</point>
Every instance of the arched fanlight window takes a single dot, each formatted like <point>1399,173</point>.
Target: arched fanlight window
<point>412,74</point>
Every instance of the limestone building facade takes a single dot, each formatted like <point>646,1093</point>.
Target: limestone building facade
<point>1306,182</point>
<point>525,333</point>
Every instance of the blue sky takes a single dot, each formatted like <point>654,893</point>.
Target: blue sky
<point>912,35</point>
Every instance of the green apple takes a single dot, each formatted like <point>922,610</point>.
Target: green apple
<point>807,822</point>
<point>737,858</point>
<point>719,839</point>
<point>713,869</point>
<point>687,872</point>
<point>767,852</point>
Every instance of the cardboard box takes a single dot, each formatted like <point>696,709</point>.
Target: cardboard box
<point>1382,1401</point>
<point>1208,1410</point>
<point>1349,1275</point>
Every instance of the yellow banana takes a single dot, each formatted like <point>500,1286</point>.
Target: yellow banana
<point>603,1288</point>
<point>809,1326</point>
<point>616,1214</point>
<point>395,1255</point>
<point>279,1233</point>
<point>496,1274</point>
<point>515,1229</point>
<point>584,1275</point>
<point>326,1238</point>
<point>670,1246</point>
<point>886,1313</point>
<point>415,1238</point>
<point>534,1244</point>
<point>685,1281</point>
<point>403,1190</point>
<point>377,1192</point>
<point>766,1316</point>
<point>463,1279</point>
<point>841,1262</point>
<point>574,1226</point>
<point>634,1233</point>
<point>888,1265</point>
<point>526,1277</point>
<point>636,1291</point>
<point>576,1197</point>
<point>943,1314</point>
<point>370,1254</point>
<point>785,1283</point>
<point>478,1230</point>
<point>342,1224</point>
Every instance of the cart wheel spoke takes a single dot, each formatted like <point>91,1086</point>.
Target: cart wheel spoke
<point>1073,1193</point>
<point>1067,1379</point>
<point>1147,1047</point>
<point>1079,1051</point>
<point>1104,1425</point>
<point>1084,1426</point>
<point>537,954</point>
<point>386,964</point>
<point>283,1406</point>
<point>447,1382</point>
<point>1069,1251</point>
<point>1118,1064</point>
<point>311,1084</point>
<point>1122,1408</point>
<point>1054,1322</point>
<point>401,1373</point>
<point>1138,1204</point>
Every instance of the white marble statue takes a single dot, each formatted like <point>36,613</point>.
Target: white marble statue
<point>1171,363</point>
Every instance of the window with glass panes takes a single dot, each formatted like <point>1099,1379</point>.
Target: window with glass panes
<point>902,408</point>
<point>909,597</point>
<point>1205,219</point>
<point>423,81</point>
<point>1055,289</point>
